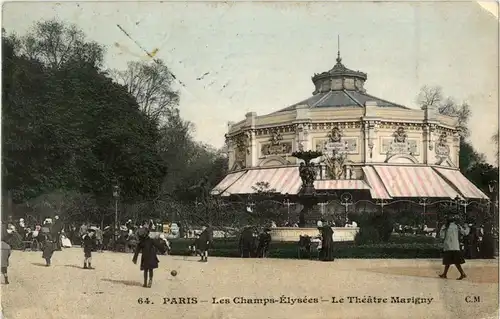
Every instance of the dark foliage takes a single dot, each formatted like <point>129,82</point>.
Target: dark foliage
<point>397,247</point>
<point>70,133</point>
<point>72,128</point>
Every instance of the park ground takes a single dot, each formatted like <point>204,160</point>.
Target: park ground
<point>113,289</point>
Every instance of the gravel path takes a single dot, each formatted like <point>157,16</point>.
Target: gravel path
<point>113,289</point>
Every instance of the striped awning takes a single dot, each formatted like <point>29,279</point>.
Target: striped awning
<point>348,184</point>
<point>377,188</point>
<point>461,183</point>
<point>284,180</point>
<point>229,180</point>
<point>414,181</point>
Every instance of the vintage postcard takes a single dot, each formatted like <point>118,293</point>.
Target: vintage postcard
<point>247,160</point>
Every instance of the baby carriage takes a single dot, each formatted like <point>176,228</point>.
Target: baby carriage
<point>34,240</point>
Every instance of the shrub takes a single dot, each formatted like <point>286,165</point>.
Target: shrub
<point>367,235</point>
<point>418,248</point>
<point>487,248</point>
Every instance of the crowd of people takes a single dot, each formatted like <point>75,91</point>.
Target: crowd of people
<point>459,240</point>
<point>51,235</point>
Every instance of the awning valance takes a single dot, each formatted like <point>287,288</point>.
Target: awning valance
<point>347,184</point>
<point>383,182</point>
<point>414,181</point>
<point>283,180</point>
<point>461,183</point>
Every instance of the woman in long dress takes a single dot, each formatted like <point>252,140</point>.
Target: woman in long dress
<point>451,246</point>
<point>149,259</point>
<point>326,253</point>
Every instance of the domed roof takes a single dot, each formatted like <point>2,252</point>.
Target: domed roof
<point>339,71</point>
<point>341,87</point>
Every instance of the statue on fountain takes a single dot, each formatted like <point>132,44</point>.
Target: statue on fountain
<point>307,172</point>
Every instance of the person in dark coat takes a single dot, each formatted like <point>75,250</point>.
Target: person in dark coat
<point>48,250</point>
<point>472,242</point>
<point>55,231</point>
<point>326,253</point>
<point>246,243</point>
<point>6,251</point>
<point>89,244</point>
<point>148,248</point>
<point>264,241</point>
<point>204,242</point>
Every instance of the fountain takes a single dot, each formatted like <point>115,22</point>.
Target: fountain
<point>307,197</point>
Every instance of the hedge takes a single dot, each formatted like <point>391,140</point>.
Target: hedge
<point>289,250</point>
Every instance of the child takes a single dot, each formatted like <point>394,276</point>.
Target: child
<point>192,247</point>
<point>149,260</point>
<point>264,241</point>
<point>88,243</point>
<point>48,250</point>
<point>5,260</point>
<point>203,242</point>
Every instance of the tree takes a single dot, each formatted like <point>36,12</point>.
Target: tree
<point>495,140</point>
<point>55,44</point>
<point>433,96</point>
<point>482,174</point>
<point>67,126</point>
<point>151,85</point>
<point>469,157</point>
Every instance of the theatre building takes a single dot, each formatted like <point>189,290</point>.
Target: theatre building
<point>375,152</point>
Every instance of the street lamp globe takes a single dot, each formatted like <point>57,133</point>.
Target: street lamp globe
<point>491,186</point>
<point>116,191</point>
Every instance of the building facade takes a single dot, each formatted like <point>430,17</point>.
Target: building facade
<point>369,144</point>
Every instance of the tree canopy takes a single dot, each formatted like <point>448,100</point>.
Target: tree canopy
<point>150,82</point>
<point>70,128</point>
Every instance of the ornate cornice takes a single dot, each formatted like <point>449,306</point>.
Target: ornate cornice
<point>291,128</point>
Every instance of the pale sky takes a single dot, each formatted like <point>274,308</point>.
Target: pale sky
<point>261,56</point>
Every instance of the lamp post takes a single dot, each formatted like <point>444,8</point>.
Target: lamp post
<point>288,204</point>
<point>382,203</point>
<point>457,203</point>
<point>346,201</point>
<point>492,187</point>
<point>423,202</point>
<point>322,208</point>
<point>116,195</point>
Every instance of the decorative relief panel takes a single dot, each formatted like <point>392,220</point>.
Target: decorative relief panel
<point>442,148</point>
<point>241,150</point>
<point>280,149</point>
<point>399,144</point>
<point>276,146</point>
<point>335,142</point>
<point>348,145</point>
<point>335,150</point>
